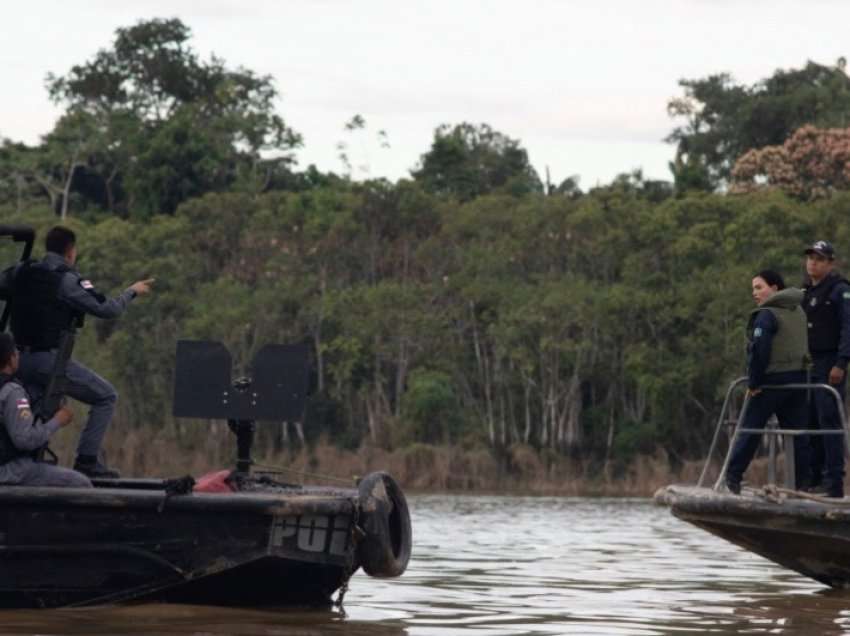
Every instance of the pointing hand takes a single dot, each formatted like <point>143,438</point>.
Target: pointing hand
<point>142,286</point>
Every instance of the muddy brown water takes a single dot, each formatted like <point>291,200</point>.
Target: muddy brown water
<point>522,565</point>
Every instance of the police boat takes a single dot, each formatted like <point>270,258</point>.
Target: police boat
<point>799,530</point>
<point>235,537</point>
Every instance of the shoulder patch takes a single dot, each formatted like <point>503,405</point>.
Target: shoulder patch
<point>846,295</point>
<point>22,403</point>
<point>757,332</point>
<point>86,284</point>
<point>25,414</point>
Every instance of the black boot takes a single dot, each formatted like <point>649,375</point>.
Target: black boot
<point>834,489</point>
<point>92,467</point>
<point>733,485</point>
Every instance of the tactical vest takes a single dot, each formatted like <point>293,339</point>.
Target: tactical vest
<point>822,315</point>
<point>8,451</point>
<point>790,344</point>
<point>38,316</point>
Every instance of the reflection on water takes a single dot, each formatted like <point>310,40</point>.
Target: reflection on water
<point>508,565</point>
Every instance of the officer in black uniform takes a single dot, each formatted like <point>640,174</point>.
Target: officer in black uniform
<point>827,306</point>
<point>21,434</point>
<point>47,296</point>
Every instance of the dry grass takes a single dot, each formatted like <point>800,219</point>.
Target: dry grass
<point>418,468</point>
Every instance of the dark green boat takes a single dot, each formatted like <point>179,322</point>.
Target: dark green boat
<point>238,538</point>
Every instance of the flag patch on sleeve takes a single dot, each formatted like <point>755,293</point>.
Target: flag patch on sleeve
<point>86,284</point>
<point>23,403</point>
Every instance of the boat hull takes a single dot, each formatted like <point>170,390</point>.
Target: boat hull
<point>810,537</point>
<point>61,547</point>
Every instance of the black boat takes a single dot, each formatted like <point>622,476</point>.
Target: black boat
<point>798,530</point>
<point>240,539</point>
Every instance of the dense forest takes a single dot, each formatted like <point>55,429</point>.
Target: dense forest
<point>471,306</point>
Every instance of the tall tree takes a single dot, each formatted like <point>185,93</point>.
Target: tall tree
<point>724,119</point>
<point>149,86</point>
<point>466,161</point>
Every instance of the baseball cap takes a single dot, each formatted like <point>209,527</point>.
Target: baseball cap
<point>824,248</point>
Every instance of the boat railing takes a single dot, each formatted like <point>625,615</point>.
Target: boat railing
<point>771,430</point>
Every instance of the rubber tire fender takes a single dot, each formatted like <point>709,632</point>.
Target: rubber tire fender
<point>385,518</point>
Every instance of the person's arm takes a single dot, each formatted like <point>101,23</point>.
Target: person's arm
<point>840,298</point>
<point>17,415</point>
<point>764,329</point>
<point>82,296</point>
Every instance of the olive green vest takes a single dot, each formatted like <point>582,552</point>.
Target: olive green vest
<point>791,342</point>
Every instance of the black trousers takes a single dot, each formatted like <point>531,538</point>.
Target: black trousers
<point>790,408</point>
<point>827,455</point>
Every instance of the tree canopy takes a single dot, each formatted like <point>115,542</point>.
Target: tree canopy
<point>166,125</point>
<point>466,161</point>
<point>723,119</point>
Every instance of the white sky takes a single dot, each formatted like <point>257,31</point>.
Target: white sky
<point>582,84</point>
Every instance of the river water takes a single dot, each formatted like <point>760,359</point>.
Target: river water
<point>523,565</point>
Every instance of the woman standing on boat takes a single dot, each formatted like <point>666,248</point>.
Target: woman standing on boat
<point>778,346</point>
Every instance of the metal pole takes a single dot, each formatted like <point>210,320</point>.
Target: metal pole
<point>771,456</point>
<point>720,421</point>
<point>790,463</point>
<point>741,416</point>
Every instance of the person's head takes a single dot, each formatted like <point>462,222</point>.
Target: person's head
<point>765,284</point>
<point>60,240</point>
<point>820,257</point>
<point>8,354</point>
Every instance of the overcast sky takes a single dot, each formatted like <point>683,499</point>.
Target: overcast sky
<point>582,85</point>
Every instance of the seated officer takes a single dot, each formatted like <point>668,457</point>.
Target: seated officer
<point>776,355</point>
<point>21,436</point>
<point>47,297</point>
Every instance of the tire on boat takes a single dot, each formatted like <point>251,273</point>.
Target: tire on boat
<point>385,518</point>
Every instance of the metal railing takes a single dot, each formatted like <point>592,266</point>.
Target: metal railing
<point>771,431</point>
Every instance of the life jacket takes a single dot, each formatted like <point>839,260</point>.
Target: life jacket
<point>789,348</point>
<point>822,315</point>
<point>38,316</point>
<point>8,450</point>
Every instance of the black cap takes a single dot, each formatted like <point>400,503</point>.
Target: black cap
<point>824,248</point>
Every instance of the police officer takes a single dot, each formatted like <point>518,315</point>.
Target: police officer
<point>776,355</point>
<point>21,436</point>
<point>827,307</point>
<point>47,297</point>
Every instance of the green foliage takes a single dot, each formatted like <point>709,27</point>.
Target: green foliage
<point>466,161</point>
<point>430,407</point>
<point>156,125</point>
<point>602,326</point>
<point>723,119</point>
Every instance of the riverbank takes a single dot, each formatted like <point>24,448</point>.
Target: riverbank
<point>418,468</point>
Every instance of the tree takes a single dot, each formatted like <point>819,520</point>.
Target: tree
<point>466,161</point>
<point>724,119</point>
<point>811,164</point>
<point>150,96</point>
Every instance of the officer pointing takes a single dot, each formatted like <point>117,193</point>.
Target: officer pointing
<point>827,306</point>
<point>48,296</point>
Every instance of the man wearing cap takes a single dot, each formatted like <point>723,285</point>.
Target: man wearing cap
<point>826,302</point>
